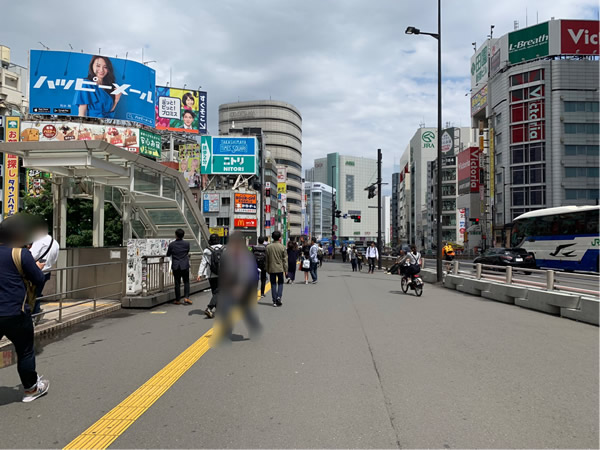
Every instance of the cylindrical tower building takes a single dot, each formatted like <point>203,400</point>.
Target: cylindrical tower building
<point>281,124</point>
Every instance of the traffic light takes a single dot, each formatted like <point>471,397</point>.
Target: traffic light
<point>338,214</point>
<point>475,221</point>
<point>356,219</point>
<point>372,190</point>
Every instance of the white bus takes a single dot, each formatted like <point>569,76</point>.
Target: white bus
<point>564,238</point>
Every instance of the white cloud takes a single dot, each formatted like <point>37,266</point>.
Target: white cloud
<point>359,81</point>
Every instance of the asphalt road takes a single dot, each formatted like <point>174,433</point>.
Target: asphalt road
<point>349,362</point>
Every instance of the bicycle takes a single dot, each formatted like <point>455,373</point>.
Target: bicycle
<point>414,282</point>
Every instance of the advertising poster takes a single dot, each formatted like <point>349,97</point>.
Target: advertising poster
<point>463,161</point>
<point>579,37</point>
<point>462,220</point>
<point>189,164</point>
<point>229,155</point>
<point>128,138</point>
<point>245,203</point>
<point>528,43</point>
<point>244,223</point>
<point>11,168</point>
<point>479,100</point>
<point>85,85</point>
<point>36,182</point>
<point>180,110</point>
<point>210,202</point>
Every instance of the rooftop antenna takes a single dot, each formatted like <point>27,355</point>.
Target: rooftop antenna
<point>537,17</point>
<point>99,50</point>
<point>43,45</point>
<point>474,44</point>
<point>516,25</point>
<point>184,85</point>
<point>492,30</point>
<point>526,19</point>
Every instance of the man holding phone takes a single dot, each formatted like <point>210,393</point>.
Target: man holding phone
<point>44,250</point>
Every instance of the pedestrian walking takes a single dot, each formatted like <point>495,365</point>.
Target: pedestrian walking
<point>276,266</point>
<point>179,251</point>
<point>344,252</point>
<point>372,256</point>
<point>17,267</point>
<point>45,250</point>
<point>320,254</point>
<point>314,260</point>
<point>292,254</point>
<point>330,251</point>
<point>305,260</point>
<point>359,260</point>
<point>238,280</point>
<point>260,255</point>
<point>353,258</point>
<point>209,269</point>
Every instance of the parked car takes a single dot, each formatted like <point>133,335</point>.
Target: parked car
<point>518,258</point>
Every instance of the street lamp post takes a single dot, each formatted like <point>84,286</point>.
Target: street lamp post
<point>503,206</point>
<point>438,36</point>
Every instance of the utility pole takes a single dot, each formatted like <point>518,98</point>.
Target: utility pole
<point>333,207</point>
<point>379,210</point>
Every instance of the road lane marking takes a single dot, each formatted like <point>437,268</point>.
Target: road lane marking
<point>114,423</point>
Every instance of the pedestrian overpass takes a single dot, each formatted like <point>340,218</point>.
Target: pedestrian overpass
<point>153,200</point>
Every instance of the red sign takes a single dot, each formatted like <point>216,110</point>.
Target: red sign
<point>49,131</point>
<point>474,169</point>
<point>244,223</point>
<point>579,37</point>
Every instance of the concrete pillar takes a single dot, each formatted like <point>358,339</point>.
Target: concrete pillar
<point>127,218</point>
<point>59,215</point>
<point>98,216</point>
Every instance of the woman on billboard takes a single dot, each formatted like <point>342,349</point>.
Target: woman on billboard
<point>98,101</point>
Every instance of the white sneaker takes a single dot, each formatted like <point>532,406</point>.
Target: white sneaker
<point>41,388</point>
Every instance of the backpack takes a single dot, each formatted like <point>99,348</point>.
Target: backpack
<point>30,288</point>
<point>215,259</point>
<point>261,257</point>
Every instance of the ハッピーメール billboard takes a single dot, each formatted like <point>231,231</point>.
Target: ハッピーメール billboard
<point>181,110</point>
<point>80,84</point>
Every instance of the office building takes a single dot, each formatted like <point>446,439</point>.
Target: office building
<point>281,124</point>
<point>319,203</point>
<point>535,99</point>
<point>349,176</point>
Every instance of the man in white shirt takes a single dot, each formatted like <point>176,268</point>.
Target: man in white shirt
<point>44,250</point>
<point>373,256</point>
<point>314,260</point>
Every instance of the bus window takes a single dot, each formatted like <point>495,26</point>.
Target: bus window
<point>591,221</point>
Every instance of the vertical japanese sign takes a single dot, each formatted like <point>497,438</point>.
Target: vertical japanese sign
<point>282,200</point>
<point>11,168</point>
<point>492,169</point>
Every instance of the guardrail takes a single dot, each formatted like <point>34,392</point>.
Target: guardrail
<point>550,280</point>
<point>64,295</point>
<point>157,275</point>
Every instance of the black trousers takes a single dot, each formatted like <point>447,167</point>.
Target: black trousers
<point>214,288</point>
<point>371,264</point>
<point>179,275</point>
<point>263,281</point>
<point>19,330</point>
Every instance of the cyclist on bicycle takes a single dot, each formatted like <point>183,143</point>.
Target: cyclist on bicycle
<point>448,255</point>
<point>411,263</point>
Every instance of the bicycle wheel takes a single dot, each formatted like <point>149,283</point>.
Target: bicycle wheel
<point>419,289</point>
<point>404,285</point>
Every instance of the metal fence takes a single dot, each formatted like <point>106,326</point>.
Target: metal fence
<point>157,275</point>
<point>84,272</point>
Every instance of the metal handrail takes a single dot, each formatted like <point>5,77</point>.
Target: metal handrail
<point>61,307</point>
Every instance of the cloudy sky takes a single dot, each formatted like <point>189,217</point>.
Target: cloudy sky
<point>358,80</point>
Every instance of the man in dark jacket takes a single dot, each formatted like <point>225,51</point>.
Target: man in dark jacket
<point>260,255</point>
<point>15,315</point>
<point>179,251</point>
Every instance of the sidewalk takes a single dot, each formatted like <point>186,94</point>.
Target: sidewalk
<point>70,316</point>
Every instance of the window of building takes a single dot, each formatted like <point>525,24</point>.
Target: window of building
<point>581,194</point>
<point>349,188</point>
<point>529,196</point>
<point>448,174</point>
<point>582,128</point>
<point>582,107</point>
<point>581,172</point>
<point>225,201</point>
<point>582,150</point>
<point>499,177</point>
<point>498,119</point>
<point>448,189</point>
<point>223,221</point>
<point>499,197</point>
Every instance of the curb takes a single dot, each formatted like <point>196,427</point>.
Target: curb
<point>52,328</point>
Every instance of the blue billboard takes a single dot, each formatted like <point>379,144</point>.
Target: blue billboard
<point>80,84</point>
<point>234,146</point>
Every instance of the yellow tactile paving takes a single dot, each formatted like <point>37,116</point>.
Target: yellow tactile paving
<point>114,423</point>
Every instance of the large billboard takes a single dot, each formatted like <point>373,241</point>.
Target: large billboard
<point>245,203</point>
<point>189,164</point>
<point>181,110</point>
<point>132,139</point>
<point>579,37</point>
<point>81,84</point>
<point>479,65</point>
<point>528,43</point>
<point>479,100</point>
<point>468,171</point>
<point>229,155</point>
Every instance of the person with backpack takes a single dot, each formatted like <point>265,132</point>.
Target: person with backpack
<point>179,251</point>
<point>410,264</point>
<point>209,268</point>
<point>260,256</point>
<point>276,266</point>
<point>292,254</point>
<point>352,254</point>
<point>19,276</point>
